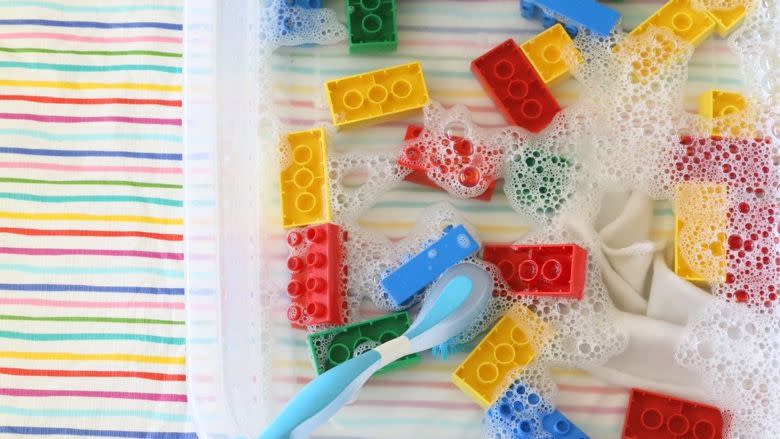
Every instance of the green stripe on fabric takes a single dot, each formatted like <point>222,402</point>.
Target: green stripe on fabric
<point>37,269</point>
<point>76,413</point>
<point>91,182</point>
<point>85,319</point>
<point>91,52</point>
<point>92,336</point>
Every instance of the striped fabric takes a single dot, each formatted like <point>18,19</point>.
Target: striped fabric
<point>91,270</point>
<point>445,36</point>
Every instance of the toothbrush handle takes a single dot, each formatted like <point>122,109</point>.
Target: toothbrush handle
<point>316,402</point>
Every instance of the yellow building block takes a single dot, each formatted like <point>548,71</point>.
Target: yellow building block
<point>728,19</point>
<point>720,103</point>
<point>303,185</point>
<point>507,348</point>
<point>700,232</point>
<point>691,25</point>
<point>377,94</point>
<point>548,51</point>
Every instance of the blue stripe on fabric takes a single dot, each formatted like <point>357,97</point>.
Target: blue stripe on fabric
<point>76,413</point>
<point>90,24</point>
<point>83,68</point>
<point>146,338</point>
<point>99,9</point>
<point>92,289</point>
<point>49,431</point>
<point>89,153</point>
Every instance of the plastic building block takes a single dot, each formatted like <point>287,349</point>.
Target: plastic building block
<point>515,87</point>
<point>338,345</point>
<point>317,286</point>
<point>414,275</point>
<point>372,26</point>
<point>656,416</point>
<point>504,350</point>
<point>720,103</point>
<point>728,19</point>
<point>540,181</point>
<point>308,4</point>
<point>303,185</point>
<point>701,222</point>
<point>560,427</point>
<point>463,160</point>
<point>547,53</point>
<point>588,14</point>
<point>691,25</point>
<point>377,94</point>
<point>530,11</point>
<point>541,270</point>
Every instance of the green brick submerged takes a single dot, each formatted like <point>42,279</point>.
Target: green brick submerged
<point>342,342</point>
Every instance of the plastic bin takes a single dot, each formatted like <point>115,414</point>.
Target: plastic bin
<point>243,359</point>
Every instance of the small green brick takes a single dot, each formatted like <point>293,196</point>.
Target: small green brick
<point>539,180</point>
<point>345,339</point>
<point>372,26</point>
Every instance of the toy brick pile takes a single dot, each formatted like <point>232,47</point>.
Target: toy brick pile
<point>518,79</point>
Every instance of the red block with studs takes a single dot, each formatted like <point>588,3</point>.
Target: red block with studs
<point>656,416</point>
<point>541,270</point>
<point>460,156</point>
<point>515,87</point>
<point>317,286</point>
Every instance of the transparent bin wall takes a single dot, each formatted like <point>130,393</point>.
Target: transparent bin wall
<point>235,247</point>
<point>224,203</point>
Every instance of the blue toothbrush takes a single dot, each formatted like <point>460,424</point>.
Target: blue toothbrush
<point>449,307</point>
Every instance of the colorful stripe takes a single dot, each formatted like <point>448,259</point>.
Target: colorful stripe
<point>89,199</point>
<point>60,356</point>
<point>86,68</point>
<point>60,288</point>
<point>92,233</point>
<point>90,24</point>
<point>91,320</point>
<point>90,217</point>
<point>90,101</point>
<point>52,431</point>
<point>85,39</point>
<point>87,119</point>
<point>89,153</point>
<point>91,183</point>
<point>90,85</point>
<point>86,413</point>
<point>111,9</point>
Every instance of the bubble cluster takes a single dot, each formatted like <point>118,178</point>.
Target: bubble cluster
<point>455,154</point>
<point>283,24</point>
<point>735,351</point>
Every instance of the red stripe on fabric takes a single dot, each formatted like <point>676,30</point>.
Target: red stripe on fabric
<point>91,233</point>
<point>92,374</point>
<point>91,101</point>
<point>39,393</point>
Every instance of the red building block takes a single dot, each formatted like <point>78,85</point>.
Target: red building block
<point>515,87</point>
<point>655,416</point>
<point>456,155</point>
<point>541,270</point>
<point>317,286</point>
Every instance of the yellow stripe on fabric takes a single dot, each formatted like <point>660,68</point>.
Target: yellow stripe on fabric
<point>90,217</point>
<point>90,85</point>
<point>55,356</point>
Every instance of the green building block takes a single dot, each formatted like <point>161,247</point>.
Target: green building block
<point>539,181</point>
<point>372,26</point>
<point>338,345</point>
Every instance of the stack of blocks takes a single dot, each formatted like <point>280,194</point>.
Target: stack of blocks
<point>516,78</point>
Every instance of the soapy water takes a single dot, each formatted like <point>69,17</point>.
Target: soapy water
<point>627,130</point>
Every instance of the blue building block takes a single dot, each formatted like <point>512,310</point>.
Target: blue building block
<point>560,427</point>
<point>308,4</point>
<point>527,415</point>
<point>415,274</point>
<point>589,14</point>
